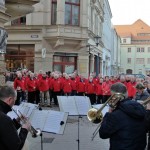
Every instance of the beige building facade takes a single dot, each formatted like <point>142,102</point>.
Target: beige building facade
<point>135,47</point>
<point>55,37</point>
<point>10,9</point>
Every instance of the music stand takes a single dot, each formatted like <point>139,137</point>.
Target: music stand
<point>75,106</point>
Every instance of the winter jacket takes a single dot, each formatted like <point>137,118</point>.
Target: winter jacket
<point>142,96</point>
<point>9,138</point>
<point>125,127</point>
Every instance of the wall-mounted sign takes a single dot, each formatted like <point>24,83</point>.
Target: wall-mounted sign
<point>43,52</point>
<point>34,36</point>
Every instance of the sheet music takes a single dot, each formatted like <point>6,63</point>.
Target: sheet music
<point>49,121</point>
<point>75,105</point>
<point>53,120</point>
<point>67,104</point>
<point>38,118</point>
<point>83,104</point>
<point>25,108</point>
<point>12,114</point>
<point>104,111</point>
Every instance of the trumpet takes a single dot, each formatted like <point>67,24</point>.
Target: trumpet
<point>96,116</point>
<point>34,132</point>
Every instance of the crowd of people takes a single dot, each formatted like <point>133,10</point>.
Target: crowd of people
<point>44,87</point>
<point>126,124</point>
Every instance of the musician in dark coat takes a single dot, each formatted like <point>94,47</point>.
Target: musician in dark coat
<point>9,138</point>
<point>141,93</point>
<point>124,125</point>
<point>148,124</point>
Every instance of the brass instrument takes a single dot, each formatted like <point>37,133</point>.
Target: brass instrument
<point>34,132</point>
<point>96,116</point>
<point>145,102</point>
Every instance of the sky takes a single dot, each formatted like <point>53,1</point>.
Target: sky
<point>128,11</point>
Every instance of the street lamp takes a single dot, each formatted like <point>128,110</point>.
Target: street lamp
<point>97,40</point>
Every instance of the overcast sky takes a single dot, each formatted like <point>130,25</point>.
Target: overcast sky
<point>128,11</point>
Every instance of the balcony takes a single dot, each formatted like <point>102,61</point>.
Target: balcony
<point>19,8</point>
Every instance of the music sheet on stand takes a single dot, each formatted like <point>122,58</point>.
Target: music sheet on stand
<point>49,121</point>
<point>67,104</point>
<point>74,105</point>
<point>83,104</point>
<point>25,108</point>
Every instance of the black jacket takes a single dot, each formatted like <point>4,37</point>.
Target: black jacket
<point>125,127</point>
<point>148,127</point>
<point>9,138</point>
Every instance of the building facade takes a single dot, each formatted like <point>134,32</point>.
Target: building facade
<point>58,35</point>
<point>15,8</point>
<point>115,53</point>
<point>135,47</point>
<point>107,40</point>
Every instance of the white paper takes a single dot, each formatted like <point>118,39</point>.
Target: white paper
<point>75,105</point>
<point>48,121</point>
<point>53,120</point>
<point>67,104</point>
<point>83,104</point>
<point>38,118</point>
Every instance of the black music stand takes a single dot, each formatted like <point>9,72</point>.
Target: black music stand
<point>75,106</point>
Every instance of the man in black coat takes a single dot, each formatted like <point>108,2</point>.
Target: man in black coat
<point>124,125</point>
<point>9,138</point>
<point>148,124</point>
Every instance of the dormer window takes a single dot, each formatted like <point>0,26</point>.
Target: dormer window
<point>124,40</point>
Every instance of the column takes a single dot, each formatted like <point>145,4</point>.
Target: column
<point>60,12</point>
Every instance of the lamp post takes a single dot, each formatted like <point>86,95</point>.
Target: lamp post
<point>97,40</point>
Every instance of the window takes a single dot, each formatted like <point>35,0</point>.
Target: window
<point>124,41</point>
<point>148,60</point>
<point>129,61</point>
<point>138,49</point>
<point>64,63</point>
<point>19,56</point>
<point>148,49</point>
<point>140,60</point>
<point>72,8</point>
<point>142,49</point>
<point>20,21</point>
<point>54,11</point>
<point>129,50</point>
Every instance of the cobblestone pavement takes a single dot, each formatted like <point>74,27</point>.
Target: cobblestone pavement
<point>69,140</point>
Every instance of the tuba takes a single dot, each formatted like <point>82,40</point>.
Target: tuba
<point>96,116</point>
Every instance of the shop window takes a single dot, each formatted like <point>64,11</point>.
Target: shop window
<point>19,56</point>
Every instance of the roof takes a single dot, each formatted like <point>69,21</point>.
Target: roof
<point>139,30</point>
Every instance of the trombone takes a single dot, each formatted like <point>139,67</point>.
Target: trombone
<point>34,132</point>
<point>95,115</point>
